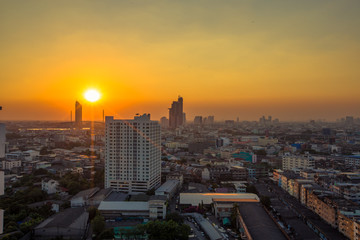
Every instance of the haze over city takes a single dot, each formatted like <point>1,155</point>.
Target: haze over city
<point>180,119</point>
<point>296,60</point>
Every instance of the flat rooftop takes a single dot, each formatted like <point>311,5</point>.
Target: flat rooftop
<point>258,222</point>
<point>168,186</point>
<point>116,196</point>
<point>123,206</point>
<point>207,198</point>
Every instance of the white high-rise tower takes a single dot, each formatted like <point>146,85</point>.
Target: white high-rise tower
<point>133,154</point>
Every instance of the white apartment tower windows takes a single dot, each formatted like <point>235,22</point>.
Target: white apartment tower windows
<point>133,154</point>
<point>290,162</point>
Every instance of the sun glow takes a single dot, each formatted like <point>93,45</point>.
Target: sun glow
<point>92,95</point>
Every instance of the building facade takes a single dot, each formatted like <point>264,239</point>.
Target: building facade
<point>176,113</point>
<point>78,114</point>
<point>133,154</point>
<point>2,140</point>
<point>297,161</point>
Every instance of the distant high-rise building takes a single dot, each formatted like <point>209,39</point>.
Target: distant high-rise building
<point>210,119</point>
<point>265,121</point>
<point>78,114</point>
<point>176,113</point>
<point>349,120</point>
<point>205,121</point>
<point>198,120</point>
<point>133,154</point>
<point>2,140</point>
<point>229,122</point>
<point>164,122</point>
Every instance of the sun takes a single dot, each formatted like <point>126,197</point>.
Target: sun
<point>92,95</point>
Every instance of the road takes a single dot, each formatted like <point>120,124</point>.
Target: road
<point>295,214</point>
<point>195,229</point>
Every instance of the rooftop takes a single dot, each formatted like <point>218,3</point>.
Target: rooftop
<point>69,218</point>
<point>207,198</point>
<point>86,193</point>
<point>259,224</point>
<point>168,186</point>
<point>102,194</point>
<point>123,206</point>
<point>116,196</point>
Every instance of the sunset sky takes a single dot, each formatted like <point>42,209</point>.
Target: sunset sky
<point>294,60</point>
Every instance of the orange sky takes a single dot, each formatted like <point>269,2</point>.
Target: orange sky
<point>292,60</point>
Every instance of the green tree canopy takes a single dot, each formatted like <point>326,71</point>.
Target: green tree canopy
<point>98,224</point>
<point>176,217</point>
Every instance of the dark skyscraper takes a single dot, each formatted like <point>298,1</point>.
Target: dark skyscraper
<point>78,115</point>
<point>176,114</point>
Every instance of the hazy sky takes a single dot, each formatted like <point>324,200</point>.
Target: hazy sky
<point>295,60</point>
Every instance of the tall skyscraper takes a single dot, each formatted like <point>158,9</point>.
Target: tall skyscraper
<point>133,154</point>
<point>2,140</point>
<point>78,115</point>
<point>176,113</point>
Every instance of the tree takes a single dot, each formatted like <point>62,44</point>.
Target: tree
<point>74,182</point>
<point>160,230</point>
<point>233,215</point>
<point>265,200</point>
<point>99,178</point>
<point>260,152</point>
<point>251,189</point>
<point>106,234</point>
<point>40,171</point>
<point>176,217</point>
<point>98,224</point>
<point>183,232</point>
<point>150,192</point>
<point>93,212</point>
<point>36,194</point>
<point>44,151</point>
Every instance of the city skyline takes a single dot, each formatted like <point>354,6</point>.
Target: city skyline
<point>208,119</point>
<point>293,60</point>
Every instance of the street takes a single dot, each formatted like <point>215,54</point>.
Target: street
<point>295,214</point>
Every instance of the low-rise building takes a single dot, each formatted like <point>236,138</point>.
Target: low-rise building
<point>10,164</point>
<point>168,189</point>
<point>175,176</point>
<point>291,162</point>
<point>50,186</point>
<point>154,208</point>
<point>70,224</point>
<point>194,199</point>
<point>81,198</point>
<point>348,222</point>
